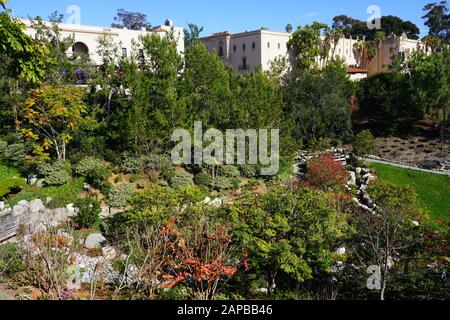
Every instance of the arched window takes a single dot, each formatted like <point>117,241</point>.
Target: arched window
<point>80,48</point>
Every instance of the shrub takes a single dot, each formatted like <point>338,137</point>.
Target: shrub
<point>249,171</point>
<point>324,173</point>
<point>61,195</point>
<point>222,183</point>
<point>168,174</point>
<point>130,163</point>
<point>202,179</point>
<point>229,171</point>
<point>134,177</point>
<point>87,165</point>
<point>156,162</point>
<point>364,143</point>
<point>55,174</point>
<point>14,153</point>
<point>10,259</point>
<point>181,180</point>
<point>118,196</point>
<point>323,144</point>
<point>88,215</point>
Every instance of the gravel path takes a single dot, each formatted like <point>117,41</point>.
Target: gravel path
<point>444,173</point>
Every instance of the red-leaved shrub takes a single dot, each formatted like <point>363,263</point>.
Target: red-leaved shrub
<point>325,173</point>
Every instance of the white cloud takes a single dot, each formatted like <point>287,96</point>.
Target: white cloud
<point>310,14</point>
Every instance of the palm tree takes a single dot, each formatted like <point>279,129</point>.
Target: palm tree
<point>378,40</point>
<point>365,52</point>
<point>432,43</point>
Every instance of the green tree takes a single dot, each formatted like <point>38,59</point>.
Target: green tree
<point>430,78</point>
<point>287,232</point>
<point>192,34</point>
<point>306,43</point>
<point>131,20</point>
<point>318,102</point>
<point>385,237</point>
<point>156,109</point>
<point>50,115</point>
<point>364,143</point>
<point>437,19</point>
<point>206,88</point>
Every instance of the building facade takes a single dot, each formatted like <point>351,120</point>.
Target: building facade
<point>86,37</point>
<point>250,50</point>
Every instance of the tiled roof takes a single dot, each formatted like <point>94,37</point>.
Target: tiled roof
<point>356,70</point>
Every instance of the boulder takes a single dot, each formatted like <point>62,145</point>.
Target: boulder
<point>70,209</point>
<point>23,203</point>
<point>36,206</point>
<point>109,253</point>
<point>32,180</point>
<point>2,205</point>
<point>40,183</point>
<point>94,241</point>
<point>352,181</point>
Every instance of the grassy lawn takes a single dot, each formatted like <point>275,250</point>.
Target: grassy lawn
<point>433,189</point>
<point>7,172</point>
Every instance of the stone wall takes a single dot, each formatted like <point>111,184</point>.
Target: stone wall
<point>33,215</point>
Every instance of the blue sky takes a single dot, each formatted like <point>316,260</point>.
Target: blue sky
<point>231,15</point>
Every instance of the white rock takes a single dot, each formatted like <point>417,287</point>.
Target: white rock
<point>340,251</point>
<point>36,206</point>
<point>358,170</point>
<point>2,205</point>
<point>109,253</point>
<point>415,223</point>
<point>94,241</point>
<point>352,181</point>
<point>216,203</point>
<point>206,201</point>
<point>70,210</point>
<point>262,291</point>
<point>23,203</point>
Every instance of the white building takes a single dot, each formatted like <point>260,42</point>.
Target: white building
<point>86,37</point>
<point>250,50</point>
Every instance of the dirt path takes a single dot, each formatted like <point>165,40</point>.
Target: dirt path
<point>5,294</point>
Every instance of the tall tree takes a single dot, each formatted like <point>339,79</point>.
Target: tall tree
<point>192,34</point>
<point>156,109</point>
<point>206,88</point>
<point>437,19</point>
<point>130,20</point>
<point>307,45</point>
<point>318,101</point>
<point>430,77</point>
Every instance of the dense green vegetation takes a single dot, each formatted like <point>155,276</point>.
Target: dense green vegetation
<point>217,231</point>
<point>432,189</point>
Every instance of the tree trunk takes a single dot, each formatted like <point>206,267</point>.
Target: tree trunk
<point>271,283</point>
